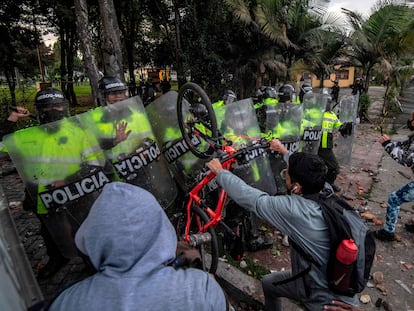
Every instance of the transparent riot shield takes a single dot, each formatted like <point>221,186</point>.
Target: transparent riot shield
<point>347,114</point>
<point>62,168</point>
<point>183,164</point>
<point>240,128</point>
<point>284,123</point>
<point>19,290</point>
<point>313,109</point>
<point>126,137</point>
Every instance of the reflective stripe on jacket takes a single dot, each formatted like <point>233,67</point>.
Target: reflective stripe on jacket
<point>330,122</point>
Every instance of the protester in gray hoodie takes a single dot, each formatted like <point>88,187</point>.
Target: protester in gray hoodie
<point>130,242</point>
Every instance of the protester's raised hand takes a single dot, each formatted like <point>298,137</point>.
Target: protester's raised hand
<point>276,145</point>
<point>215,166</point>
<point>18,112</point>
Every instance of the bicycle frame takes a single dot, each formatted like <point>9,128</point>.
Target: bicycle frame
<point>228,159</point>
<point>194,197</point>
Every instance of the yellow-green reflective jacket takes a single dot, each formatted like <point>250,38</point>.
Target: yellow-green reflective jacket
<point>138,124</point>
<point>176,149</point>
<point>330,122</point>
<point>314,115</point>
<point>219,111</point>
<point>48,157</point>
<point>241,140</point>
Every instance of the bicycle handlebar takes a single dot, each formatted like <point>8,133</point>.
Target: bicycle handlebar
<point>261,143</point>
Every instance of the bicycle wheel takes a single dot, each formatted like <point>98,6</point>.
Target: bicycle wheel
<point>209,249</point>
<point>197,120</point>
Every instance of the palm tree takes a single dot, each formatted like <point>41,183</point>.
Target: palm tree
<point>297,32</point>
<point>381,39</point>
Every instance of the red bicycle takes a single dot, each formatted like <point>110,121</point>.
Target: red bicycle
<point>197,222</point>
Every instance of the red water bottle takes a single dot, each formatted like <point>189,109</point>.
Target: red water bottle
<point>346,255</point>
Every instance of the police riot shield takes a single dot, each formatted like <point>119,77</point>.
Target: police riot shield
<point>347,115</point>
<point>240,128</point>
<point>126,137</point>
<point>313,109</point>
<point>62,168</point>
<point>284,123</point>
<point>183,164</point>
<point>19,290</point>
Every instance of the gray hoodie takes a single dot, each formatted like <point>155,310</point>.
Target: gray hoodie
<point>129,240</point>
<point>299,218</point>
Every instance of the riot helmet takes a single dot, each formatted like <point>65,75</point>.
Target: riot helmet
<point>328,106</point>
<point>51,105</point>
<point>270,92</point>
<point>306,88</point>
<point>258,95</point>
<point>113,86</point>
<point>286,93</point>
<point>229,97</point>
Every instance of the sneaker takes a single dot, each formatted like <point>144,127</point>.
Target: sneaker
<point>52,266</point>
<point>384,236</point>
<point>336,188</point>
<point>285,240</point>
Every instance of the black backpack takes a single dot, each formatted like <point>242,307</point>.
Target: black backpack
<point>343,223</point>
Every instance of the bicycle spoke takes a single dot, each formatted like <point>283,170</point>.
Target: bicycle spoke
<point>197,120</point>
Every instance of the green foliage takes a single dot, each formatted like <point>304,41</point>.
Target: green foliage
<point>364,101</point>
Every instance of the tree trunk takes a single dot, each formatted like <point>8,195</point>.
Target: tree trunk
<point>70,56</point>
<point>92,71</point>
<point>178,50</point>
<point>112,53</point>
<point>11,81</point>
<point>63,49</point>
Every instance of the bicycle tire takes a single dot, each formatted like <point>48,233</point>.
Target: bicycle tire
<point>194,110</point>
<point>212,245</point>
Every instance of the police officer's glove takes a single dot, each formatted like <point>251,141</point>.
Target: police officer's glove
<point>346,129</point>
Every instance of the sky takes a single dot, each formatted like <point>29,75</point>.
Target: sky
<point>361,6</point>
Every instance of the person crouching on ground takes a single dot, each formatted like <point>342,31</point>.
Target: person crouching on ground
<point>299,218</point>
<point>131,243</point>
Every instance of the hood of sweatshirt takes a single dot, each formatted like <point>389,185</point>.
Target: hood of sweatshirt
<point>126,230</point>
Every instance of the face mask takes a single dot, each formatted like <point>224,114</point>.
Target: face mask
<point>409,122</point>
<point>51,116</point>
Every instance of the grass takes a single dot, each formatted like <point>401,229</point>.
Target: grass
<point>25,96</point>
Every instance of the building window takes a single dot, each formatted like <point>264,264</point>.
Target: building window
<point>342,74</point>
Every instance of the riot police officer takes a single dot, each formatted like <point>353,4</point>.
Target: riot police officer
<point>125,134</point>
<point>269,101</point>
<point>113,89</point>
<point>228,98</point>
<point>305,88</point>
<point>335,92</point>
<point>49,157</point>
<point>239,128</point>
<point>330,122</point>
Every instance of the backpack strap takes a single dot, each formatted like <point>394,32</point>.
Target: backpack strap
<point>302,273</point>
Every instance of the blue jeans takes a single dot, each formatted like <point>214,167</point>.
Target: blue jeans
<point>395,199</point>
